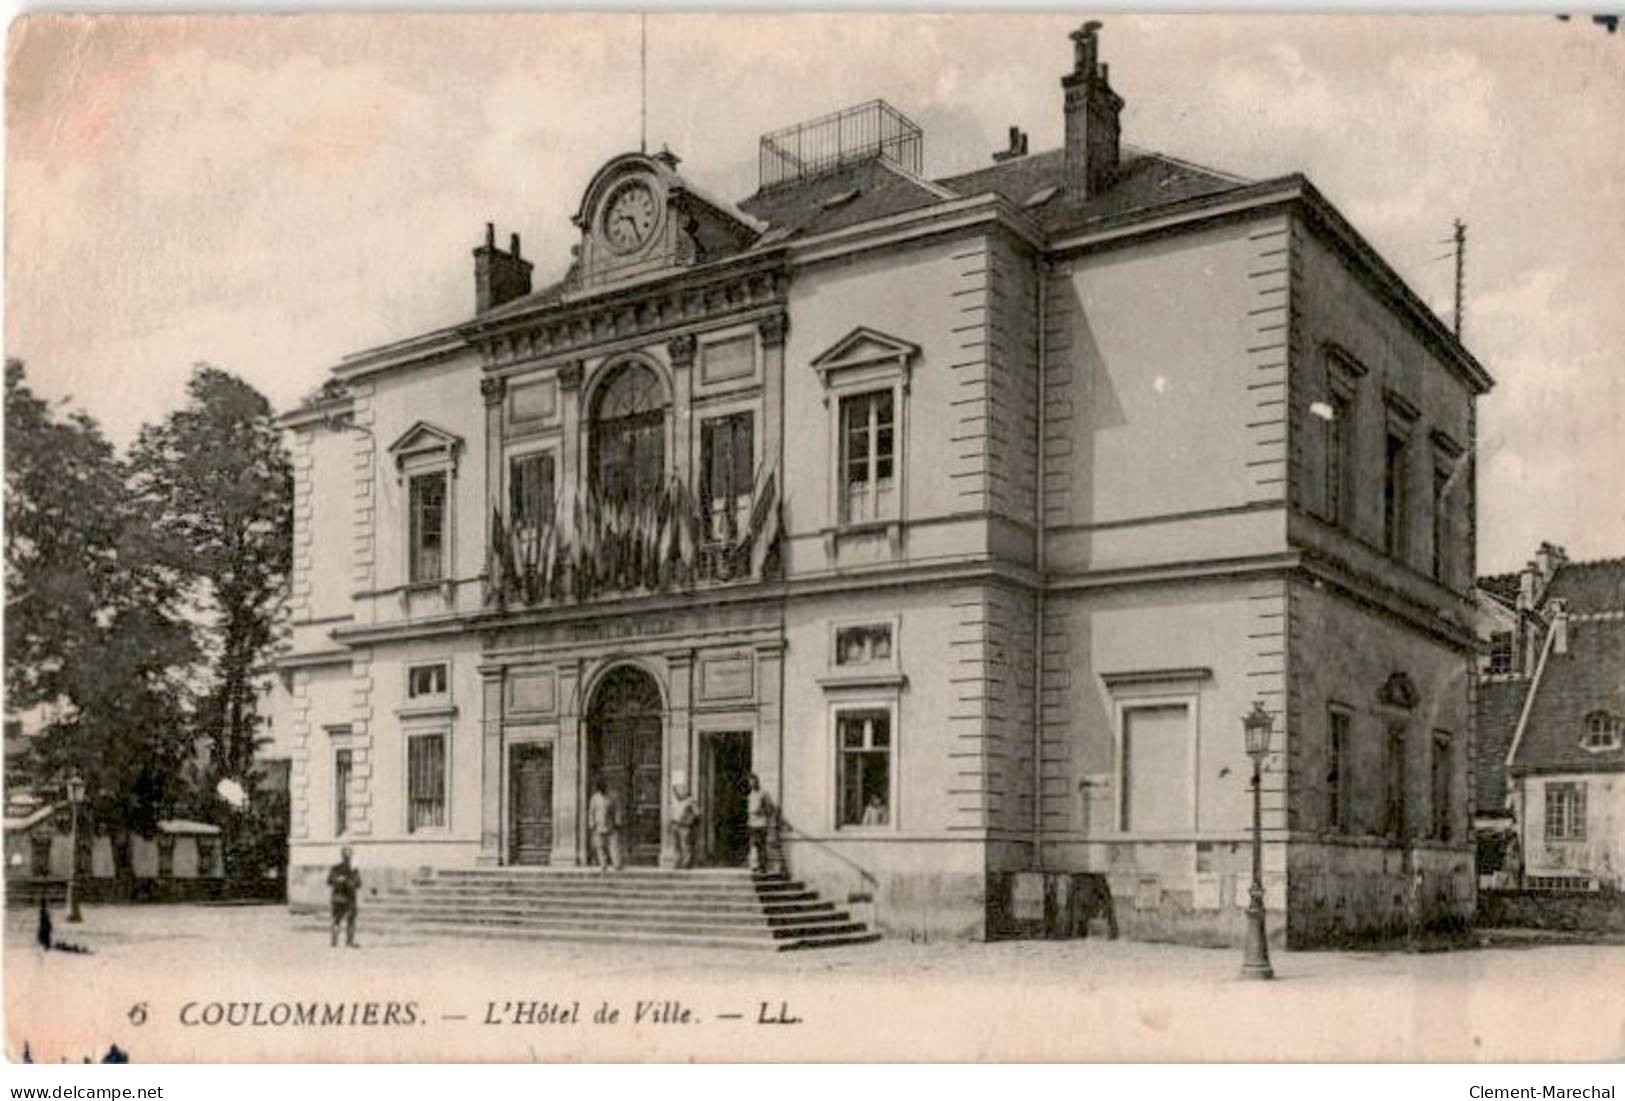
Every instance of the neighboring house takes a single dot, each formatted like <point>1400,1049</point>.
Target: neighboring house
<point>1551,722</point>
<point>180,863</point>
<point>971,514</point>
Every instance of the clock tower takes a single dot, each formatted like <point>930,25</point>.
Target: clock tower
<point>639,218</point>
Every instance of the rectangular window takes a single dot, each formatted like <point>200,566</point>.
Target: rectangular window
<point>1441,525</point>
<point>208,856</point>
<point>1501,653</point>
<point>40,856</point>
<point>530,492</point>
<point>868,441</point>
<point>425,781</point>
<point>727,475</point>
<point>1157,768</point>
<point>1396,473</point>
<point>1339,777</point>
<point>166,857</point>
<point>1393,783</point>
<point>83,857</point>
<point>1339,461</point>
<point>428,522</point>
<point>865,644</point>
<point>1565,812</point>
<point>426,680</point>
<point>342,766</point>
<point>1442,786</point>
<point>864,768</point>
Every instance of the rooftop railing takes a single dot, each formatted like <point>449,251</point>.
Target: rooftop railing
<point>865,132</point>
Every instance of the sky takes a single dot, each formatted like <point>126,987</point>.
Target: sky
<point>271,192</point>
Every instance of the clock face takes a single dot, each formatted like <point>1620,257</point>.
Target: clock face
<point>630,217</point>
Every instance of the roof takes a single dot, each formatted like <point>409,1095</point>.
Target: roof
<point>1589,586</point>
<point>857,192</point>
<point>1144,180</point>
<point>1589,677</point>
<point>1502,586</point>
<point>1497,708</point>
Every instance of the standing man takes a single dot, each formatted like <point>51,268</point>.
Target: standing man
<point>602,815</point>
<point>758,820</point>
<point>345,882</point>
<point>684,814</point>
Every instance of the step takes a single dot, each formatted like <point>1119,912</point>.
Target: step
<point>679,928</point>
<point>547,872</point>
<point>686,917</point>
<point>606,905</point>
<point>620,938</point>
<point>605,891</point>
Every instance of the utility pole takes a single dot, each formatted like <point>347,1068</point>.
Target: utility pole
<point>1461,263</point>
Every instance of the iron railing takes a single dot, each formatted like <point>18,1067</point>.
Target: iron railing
<point>869,130</point>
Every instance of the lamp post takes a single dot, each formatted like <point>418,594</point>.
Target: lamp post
<point>1255,963</point>
<point>76,795</point>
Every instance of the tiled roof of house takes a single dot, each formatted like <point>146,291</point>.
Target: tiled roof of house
<point>1589,677</point>
<point>1590,586</point>
<point>1498,705</point>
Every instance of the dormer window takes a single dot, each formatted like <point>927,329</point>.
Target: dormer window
<point>1603,732</point>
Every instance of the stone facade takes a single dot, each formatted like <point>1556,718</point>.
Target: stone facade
<point>1038,513</point>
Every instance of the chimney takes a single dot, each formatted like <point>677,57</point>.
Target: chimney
<point>1092,110</point>
<point>499,276</point>
<point>1548,558</point>
<point>1018,146</point>
<point>1527,591</point>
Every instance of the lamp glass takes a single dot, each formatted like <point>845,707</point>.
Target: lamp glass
<point>1256,726</point>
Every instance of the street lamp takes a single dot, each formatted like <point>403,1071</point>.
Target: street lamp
<point>1255,963</point>
<point>76,795</point>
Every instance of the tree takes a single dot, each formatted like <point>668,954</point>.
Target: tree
<point>93,626</point>
<point>219,486</point>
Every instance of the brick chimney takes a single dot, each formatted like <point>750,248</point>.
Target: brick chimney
<point>499,276</point>
<point>1017,147</point>
<point>1092,127</point>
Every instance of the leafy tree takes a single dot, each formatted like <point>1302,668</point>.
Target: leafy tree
<point>219,486</point>
<point>93,627</point>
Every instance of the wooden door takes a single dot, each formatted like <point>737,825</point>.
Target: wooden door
<point>724,788</point>
<point>530,801</point>
<point>625,727</point>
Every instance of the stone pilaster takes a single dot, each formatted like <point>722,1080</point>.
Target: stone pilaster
<point>299,764</point>
<point>362,816</point>
<point>773,329</point>
<point>363,554</point>
<point>767,753</point>
<point>571,459</point>
<point>569,772</point>
<point>682,350</point>
<point>494,392</point>
<point>679,754</point>
<point>491,765</point>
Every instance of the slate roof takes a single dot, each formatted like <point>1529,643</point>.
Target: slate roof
<point>814,205</point>
<point>1499,703</point>
<point>1144,180</point>
<point>1502,586</point>
<point>1589,586</point>
<point>1590,677</point>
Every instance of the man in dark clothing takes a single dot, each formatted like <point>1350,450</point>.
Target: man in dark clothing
<point>345,883</point>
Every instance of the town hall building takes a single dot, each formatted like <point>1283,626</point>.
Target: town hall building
<point>970,514</point>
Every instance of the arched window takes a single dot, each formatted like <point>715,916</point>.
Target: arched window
<point>629,434</point>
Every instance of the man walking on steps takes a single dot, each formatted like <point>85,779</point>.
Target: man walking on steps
<point>758,821</point>
<point>345,882</point>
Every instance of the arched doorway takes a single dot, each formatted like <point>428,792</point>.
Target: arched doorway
<point>623,740</point>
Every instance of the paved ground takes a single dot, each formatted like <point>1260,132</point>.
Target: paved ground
<point>155,972</point>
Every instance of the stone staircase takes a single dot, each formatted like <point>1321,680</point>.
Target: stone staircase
<point>716,907</point>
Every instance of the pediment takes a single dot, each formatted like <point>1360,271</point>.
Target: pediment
<point>425,442</point>
<point>863,347</point>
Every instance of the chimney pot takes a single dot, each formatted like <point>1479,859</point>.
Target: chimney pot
<point>513,245</point>
<point>490,235</point>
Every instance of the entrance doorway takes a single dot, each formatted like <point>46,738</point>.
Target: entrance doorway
<point>624,735</point>
<point>530,804</point>
<point>724,785</point>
